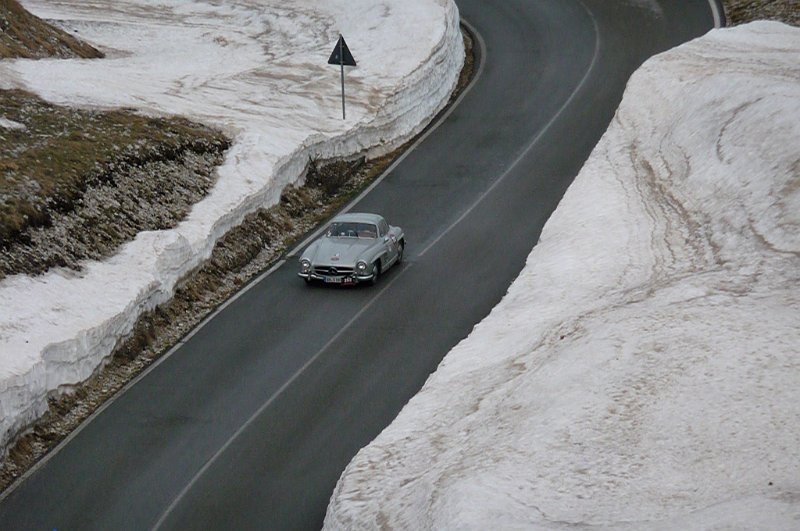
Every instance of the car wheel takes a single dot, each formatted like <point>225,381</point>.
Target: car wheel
<point>400,250</point>
<point>376,272</point>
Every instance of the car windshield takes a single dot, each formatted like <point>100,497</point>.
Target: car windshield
<point>352,229</point>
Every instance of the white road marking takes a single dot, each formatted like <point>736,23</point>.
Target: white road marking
<point>74,433</point>
<point>272,398</point>
<point>533,142</point>
<point>43,461</point>
<point>715,13</point>
<point>301,246</point>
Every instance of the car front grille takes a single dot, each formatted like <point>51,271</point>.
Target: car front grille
<point>333,271</point>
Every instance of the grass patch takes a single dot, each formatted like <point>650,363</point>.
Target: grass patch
<point>23,35</point>
<point>109,170</point>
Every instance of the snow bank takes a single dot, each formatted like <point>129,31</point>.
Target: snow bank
<point>642,372</point>
<point>257,69</point>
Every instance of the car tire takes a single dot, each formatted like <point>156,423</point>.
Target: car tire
<point>376,272</point>
<point>401,248</point>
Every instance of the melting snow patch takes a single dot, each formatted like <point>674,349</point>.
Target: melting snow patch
<point>11,124</point>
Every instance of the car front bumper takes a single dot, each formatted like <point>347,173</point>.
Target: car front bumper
<point>340,279</point>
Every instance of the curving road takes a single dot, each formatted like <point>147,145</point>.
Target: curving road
<point>250,422</point>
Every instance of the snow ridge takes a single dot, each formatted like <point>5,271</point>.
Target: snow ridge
<point>256,69</point>
<point>641,373</point>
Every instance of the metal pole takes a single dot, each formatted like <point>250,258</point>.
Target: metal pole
<point>341,65</point>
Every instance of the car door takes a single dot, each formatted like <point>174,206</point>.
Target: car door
<point>390,243</point>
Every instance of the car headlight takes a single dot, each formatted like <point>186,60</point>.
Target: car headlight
<point>361,266</point>
<point>305,265</point>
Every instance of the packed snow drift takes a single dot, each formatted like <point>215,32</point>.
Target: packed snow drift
<point>259,71</point>
<point>642,372</point>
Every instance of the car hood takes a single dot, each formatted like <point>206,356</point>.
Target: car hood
<point>348,250</point>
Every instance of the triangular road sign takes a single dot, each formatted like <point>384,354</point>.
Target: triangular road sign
<point>341,54</point>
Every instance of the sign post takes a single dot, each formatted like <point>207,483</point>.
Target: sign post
<point>341,56</point>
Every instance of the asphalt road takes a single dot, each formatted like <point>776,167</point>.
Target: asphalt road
<point>250,423</point>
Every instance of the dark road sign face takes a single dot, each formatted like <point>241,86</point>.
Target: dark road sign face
<point>341,54</point>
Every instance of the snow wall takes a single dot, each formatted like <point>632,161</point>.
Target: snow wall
<point>257,70</point>
<point>642,372</point>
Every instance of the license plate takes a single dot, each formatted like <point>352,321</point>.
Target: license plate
<point>333,280</point>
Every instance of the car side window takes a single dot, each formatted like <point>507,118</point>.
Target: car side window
<point>383,227</point>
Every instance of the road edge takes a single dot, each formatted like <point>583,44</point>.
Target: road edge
<point>427,131</point>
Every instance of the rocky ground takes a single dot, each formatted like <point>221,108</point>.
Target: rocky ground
<point>239,257</point>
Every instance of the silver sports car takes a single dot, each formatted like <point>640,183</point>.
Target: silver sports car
<point>355,248</point>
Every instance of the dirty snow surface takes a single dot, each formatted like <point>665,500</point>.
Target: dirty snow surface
<point>258,70</point>
<point>643,372</point>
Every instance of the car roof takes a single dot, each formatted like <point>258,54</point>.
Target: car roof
<point>358,217</point>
